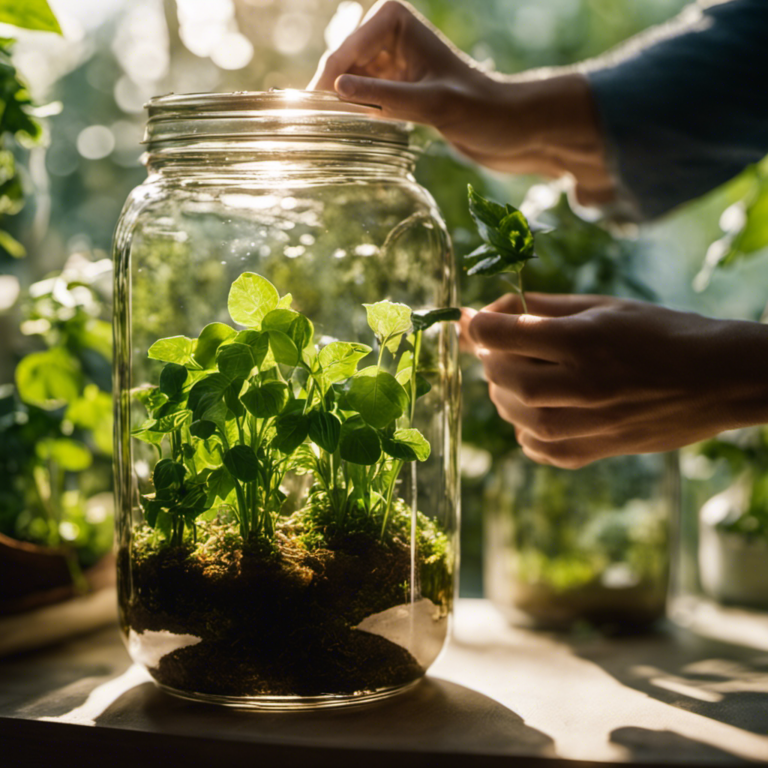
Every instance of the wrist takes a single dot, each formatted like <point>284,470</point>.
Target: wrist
<point>742,355</point>
<point>559,115</point>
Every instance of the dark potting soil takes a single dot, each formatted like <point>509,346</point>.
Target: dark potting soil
<point>273,622</point>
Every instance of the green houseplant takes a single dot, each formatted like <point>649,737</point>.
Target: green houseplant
<point>272,603</point>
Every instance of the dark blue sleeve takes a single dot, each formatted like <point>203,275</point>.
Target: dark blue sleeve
<point>685,108</point>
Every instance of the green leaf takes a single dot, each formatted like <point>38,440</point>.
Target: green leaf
<point>174,349</point>
<point>422,386</point>
<point>424,320</point>
<point>70,455</point>
<point>389,321</point>
<point>251,298</point>
<point>235,361</point>
<point>285,302</point>
<point>266,400</point>
<point>209,341</point>
<point>508,239</point>
<point>377,396</point>
<point>29,14</point>
<point>202,429</point>
<point>145,435</point>
<point>291,431</point>
<point>220,486</point>
<point>11,245</point>
<point>172,379</point>
<point>49,379</point>
<point>164,524</point>
<point>258,342</point>
<point>407,445</point>
<point>150,397</point>
<point>324,430</point>
<point>168,475</point>
<point>206,398</point>
<point>242,463</point>
<point>359,443</point>
<point>171,422</point>
<point>283,348</point>
<point>338,361</point>
<point>279,320</point>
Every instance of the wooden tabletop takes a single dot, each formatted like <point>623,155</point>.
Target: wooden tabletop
<point>498,695</point>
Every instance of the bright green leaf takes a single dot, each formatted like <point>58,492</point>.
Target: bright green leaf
<point>251,297</point>
<point>175,349</point>
<point>338,361</point>
<point>377,396</point>
<point>389,321</point>
<point>49,379</point>
<point>283,348</point>
<point>29,14</point>
<point>70,455</point>
<point>407,445</point>
<point>209,341</point>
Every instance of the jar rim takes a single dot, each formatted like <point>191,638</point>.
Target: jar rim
<point>263,114</point>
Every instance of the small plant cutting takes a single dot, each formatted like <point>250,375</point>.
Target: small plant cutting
<point>279,518</point>
<point>507,241</point>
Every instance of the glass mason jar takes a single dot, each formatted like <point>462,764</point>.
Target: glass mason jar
<point>720,584</point>
<point>287,402</point>
<point>589,544</point>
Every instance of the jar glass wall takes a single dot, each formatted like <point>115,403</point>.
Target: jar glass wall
<point>589,544</point>
<point>287,409</point>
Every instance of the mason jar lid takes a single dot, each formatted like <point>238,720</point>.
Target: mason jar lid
<point>276,114</point>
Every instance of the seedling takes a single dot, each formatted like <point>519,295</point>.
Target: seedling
<point>507,241</point>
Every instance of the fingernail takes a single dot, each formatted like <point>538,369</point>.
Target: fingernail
<point>345,86</point>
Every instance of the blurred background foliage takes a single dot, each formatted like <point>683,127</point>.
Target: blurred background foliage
<point>115,54</point>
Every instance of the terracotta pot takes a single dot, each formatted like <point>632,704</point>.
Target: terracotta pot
<point>32,576</point>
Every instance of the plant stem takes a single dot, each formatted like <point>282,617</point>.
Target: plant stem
<point>390,493</point>
<point>414,369</point>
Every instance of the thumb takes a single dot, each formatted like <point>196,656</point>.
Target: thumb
<point>418,102</point>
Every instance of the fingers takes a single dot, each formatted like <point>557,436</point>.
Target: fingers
<point>466,344</point>
<point>549,304</point>
<point>360,48</point>
<point>528,335</point>
<point>535,383</point>
<point>403,101</point>
<point>552,423</point>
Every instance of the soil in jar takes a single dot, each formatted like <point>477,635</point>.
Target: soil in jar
<point>283,618</point>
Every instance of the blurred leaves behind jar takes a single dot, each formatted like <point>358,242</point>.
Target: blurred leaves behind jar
<point>19,127</point>
<point>56,422</point>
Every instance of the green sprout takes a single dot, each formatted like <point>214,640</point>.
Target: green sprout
<point>507,241</point>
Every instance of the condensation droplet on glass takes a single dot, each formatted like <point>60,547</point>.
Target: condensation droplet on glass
<point>288,203</point>
<point>264,251</point>
<point>339,253</point>
<point>307,239</point>
<point>294,251</point>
